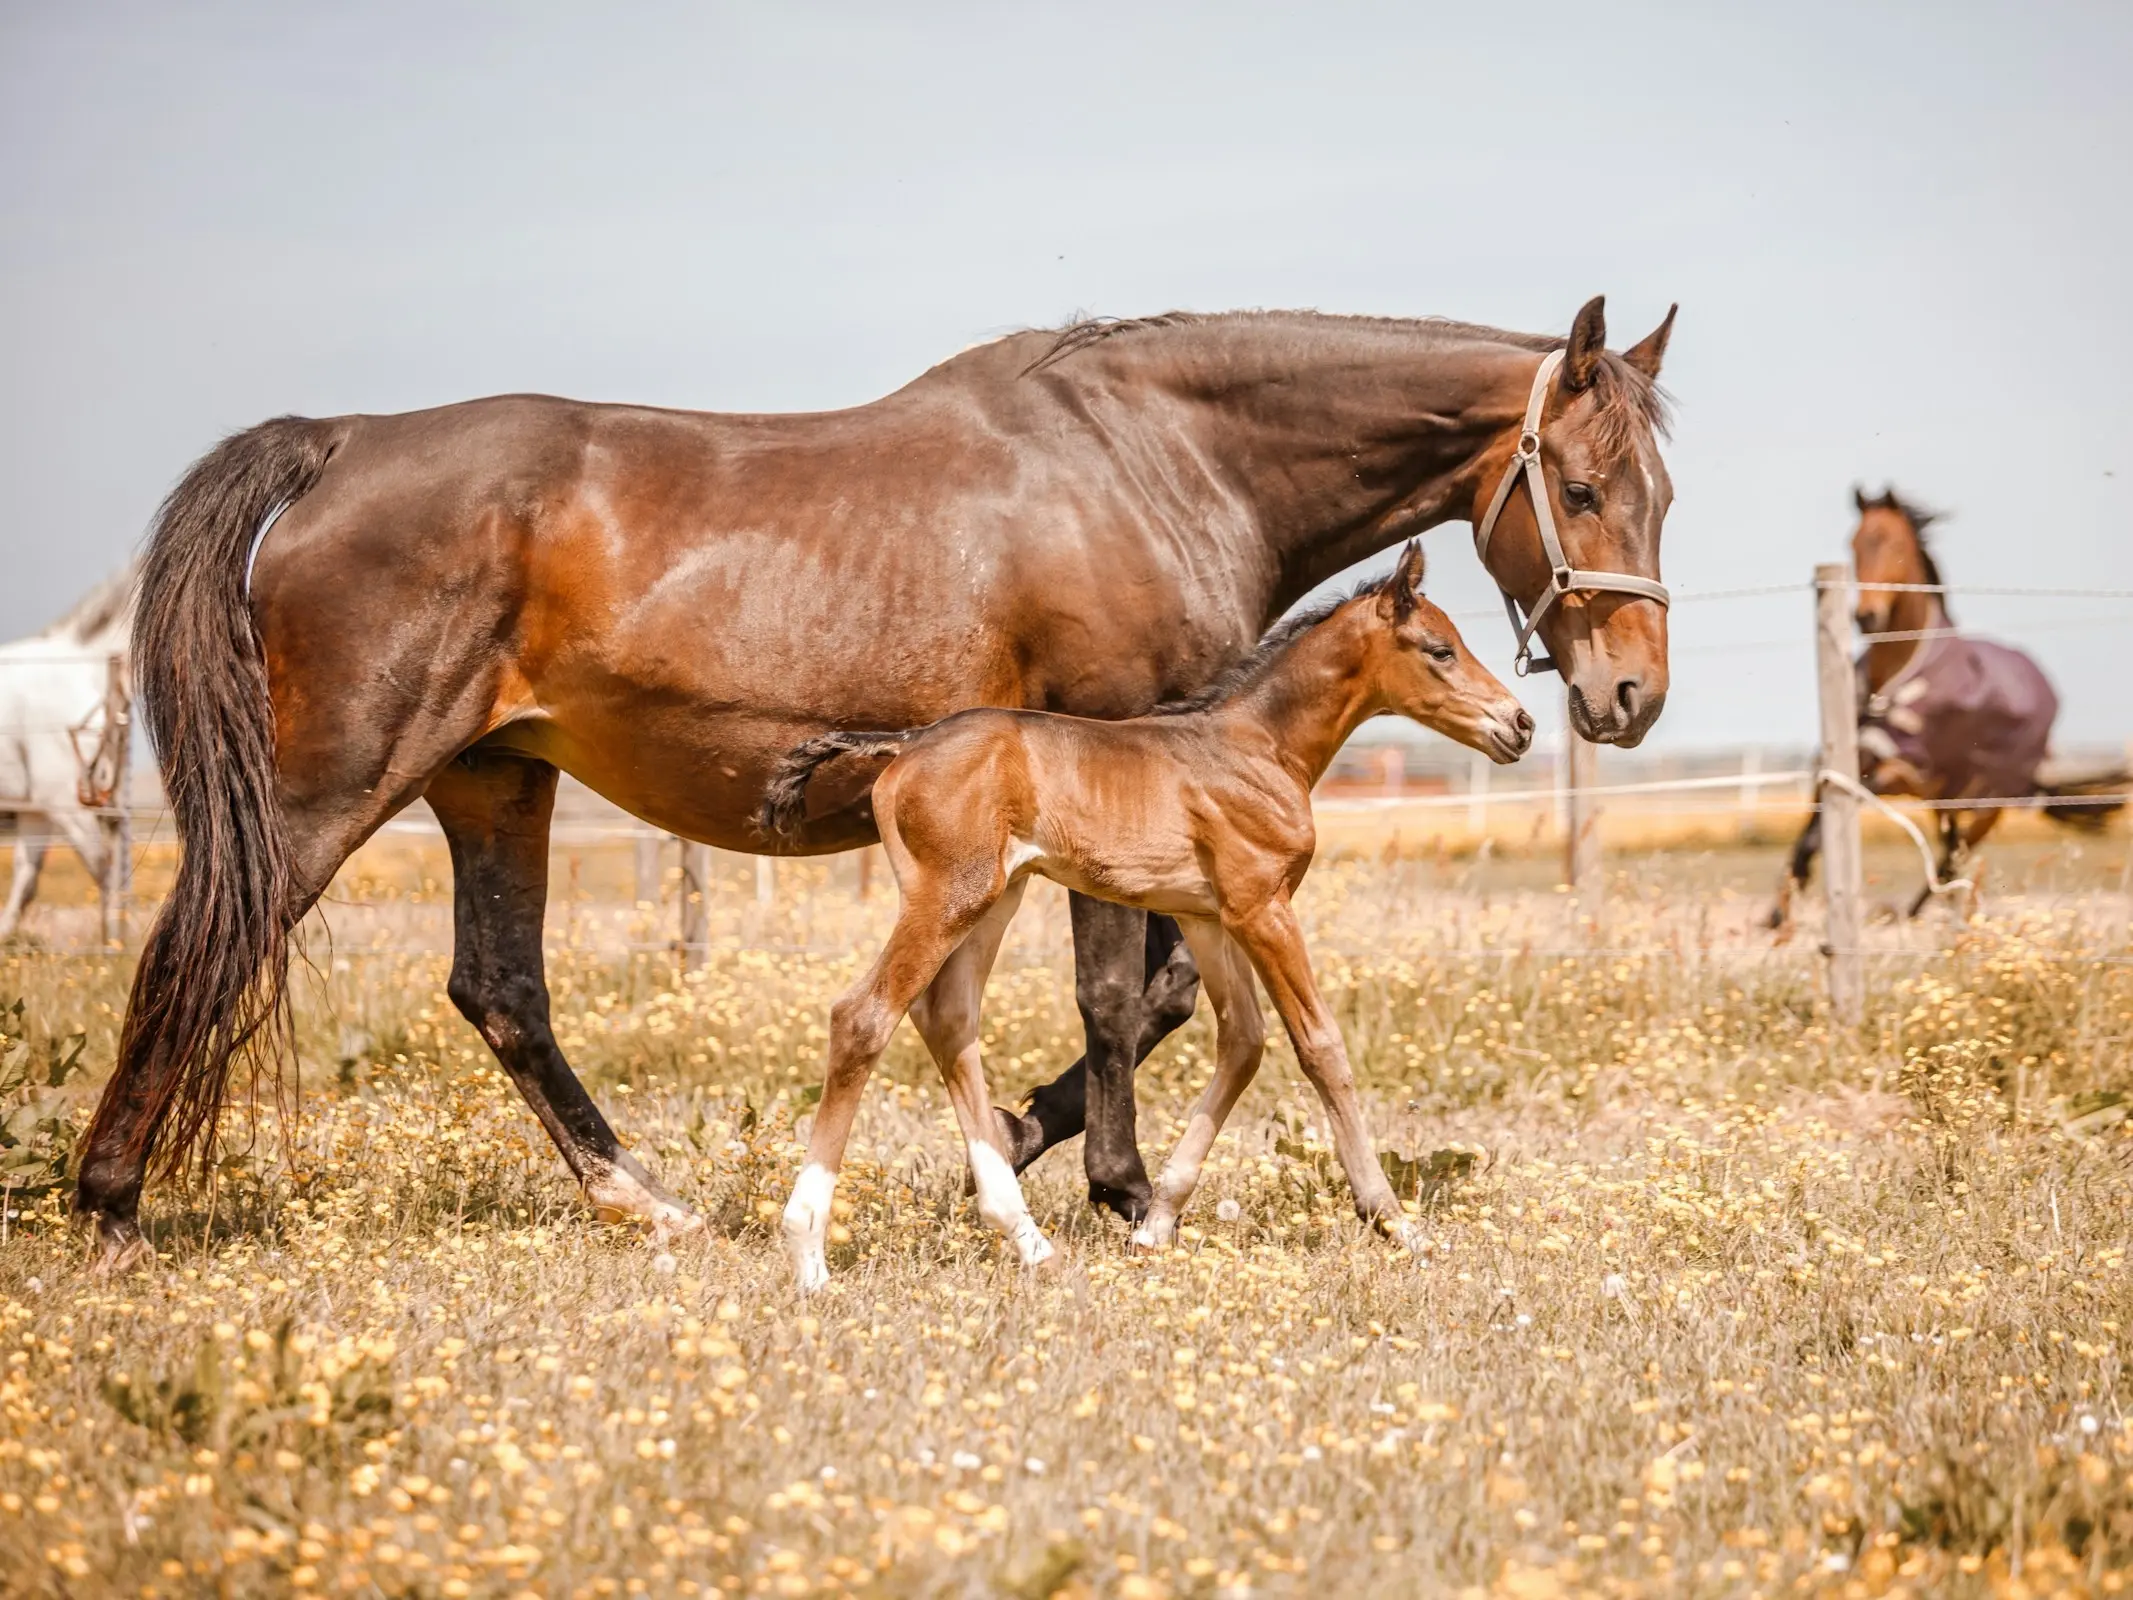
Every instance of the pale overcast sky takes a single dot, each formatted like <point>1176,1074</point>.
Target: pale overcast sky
<point>1899,236</point>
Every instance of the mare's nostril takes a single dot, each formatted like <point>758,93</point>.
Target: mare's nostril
<point>1629,696</point>
<point>1523,722</point>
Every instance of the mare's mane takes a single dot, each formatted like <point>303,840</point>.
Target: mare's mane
<point>1625,400</point>
<point>1240,677</point>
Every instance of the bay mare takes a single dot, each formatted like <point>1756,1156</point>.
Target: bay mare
<point>62,760</point>
<point>455,604</point>
<point>1943,716</point>
<point>1202,813</point>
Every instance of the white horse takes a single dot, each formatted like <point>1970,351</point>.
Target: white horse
<point>61,759</point>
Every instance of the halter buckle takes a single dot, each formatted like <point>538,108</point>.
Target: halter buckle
<point>1529,444</point>
<point>1561,579</point>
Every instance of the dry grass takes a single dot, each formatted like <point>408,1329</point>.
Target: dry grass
<point>1730,1304</point>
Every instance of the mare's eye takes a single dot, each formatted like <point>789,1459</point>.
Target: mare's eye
<point>1443,652</point>
<point>1579,496</point>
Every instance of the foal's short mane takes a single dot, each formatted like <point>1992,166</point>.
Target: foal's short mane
<point>1275,643</point>
<point>1626,400</point>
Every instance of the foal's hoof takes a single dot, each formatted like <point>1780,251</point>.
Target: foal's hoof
<point>632,1197</point>
<point>120,1248</point>
<point>1131,1202</point>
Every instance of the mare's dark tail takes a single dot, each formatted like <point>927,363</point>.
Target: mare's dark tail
<point>784,807</point>
<point>212,985</point>
<point>2086,802</point>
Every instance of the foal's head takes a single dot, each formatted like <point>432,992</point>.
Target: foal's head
<point>1889,548</point>
<point>1425,671</point>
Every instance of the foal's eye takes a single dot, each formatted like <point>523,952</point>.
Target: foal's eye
<point>1443,652</point>
<point>1579,496</point>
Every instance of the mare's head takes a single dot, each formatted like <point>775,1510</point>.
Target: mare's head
<point>1425,671</point>
<point>1608,488</point>
<point>1889,548</point>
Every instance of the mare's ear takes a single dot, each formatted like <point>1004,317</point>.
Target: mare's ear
<point>1588,337</point>
<point>1859,498</point>
<point>1648,352</point>
<point>1406,581</point>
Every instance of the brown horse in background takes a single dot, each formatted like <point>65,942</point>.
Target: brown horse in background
<point>1200,811</point>
<point>340,617</point>
<point>1942,716</point>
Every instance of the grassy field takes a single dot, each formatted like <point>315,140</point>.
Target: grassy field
<point>1719,1300</point>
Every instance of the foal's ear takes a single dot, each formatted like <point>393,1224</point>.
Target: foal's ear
<point>1588,337</point>
<point>1859,498</point>
<point>1406,582</point>
<point>1648,352</point>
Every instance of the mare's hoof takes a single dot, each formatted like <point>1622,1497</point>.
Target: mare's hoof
<point>120,1248</point>
<point>1130,1203</point>
<point>1025,1137</point>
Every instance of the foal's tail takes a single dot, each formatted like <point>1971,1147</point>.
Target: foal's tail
<point>211,987</point>
<point>784,807</point>
<point>2086,802</point>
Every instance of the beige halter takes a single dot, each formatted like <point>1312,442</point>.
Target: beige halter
<point>1563,577</point>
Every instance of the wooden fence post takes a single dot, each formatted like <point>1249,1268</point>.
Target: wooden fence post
<point>1581,817</point>
<point>1843,884</point>
<point>646,849</point>
<point>695,901</point>
<point>116,824</point>
<point>766,880</point>
<point>1477,792</point>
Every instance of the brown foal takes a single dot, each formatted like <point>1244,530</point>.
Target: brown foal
<point>1201,811</point>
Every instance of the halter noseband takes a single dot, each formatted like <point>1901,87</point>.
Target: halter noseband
<point>1562,576</point>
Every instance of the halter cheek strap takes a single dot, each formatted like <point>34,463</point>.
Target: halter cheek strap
<point>1563,578</point>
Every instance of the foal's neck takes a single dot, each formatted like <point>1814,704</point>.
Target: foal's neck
<point>1318,693</point>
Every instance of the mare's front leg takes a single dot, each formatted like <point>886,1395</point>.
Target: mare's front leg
<point>948,1017</point>
<point>1111,984</point>
<point>860,1025</point>
<point>1274,941</point>
<point>495,810</point>
<point>1240,1042</point>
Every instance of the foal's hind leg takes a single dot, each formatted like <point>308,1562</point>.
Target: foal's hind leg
<point>947,1017</point>
<point>495,809</point>
<point>928,929</point>
<point>1240,1042</point>
<point>1797,869</point>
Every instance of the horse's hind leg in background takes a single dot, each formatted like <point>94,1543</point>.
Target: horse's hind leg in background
<point>1135,984</point>
<point>1960,832</point>
<point>30,847</point>
<point>948,1016</point>
<point>495,809</point>
<point>1240,1042</point>
<point>1804,850</point>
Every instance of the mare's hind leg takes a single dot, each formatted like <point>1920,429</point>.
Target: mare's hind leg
<point>1240,1042</point>
<point>495,809</point>
<point>122,1137</point>
<point>947,1017</point>
<point>29,866</point>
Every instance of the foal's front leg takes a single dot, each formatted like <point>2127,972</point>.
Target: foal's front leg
<point>1240,1042</point>
<point>1274,941</point>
